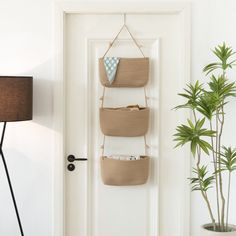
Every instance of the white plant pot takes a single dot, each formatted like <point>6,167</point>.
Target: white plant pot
<point>207,232</point>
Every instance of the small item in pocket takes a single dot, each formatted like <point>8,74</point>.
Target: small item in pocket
<point>133,107</point>
<point>124,157</point>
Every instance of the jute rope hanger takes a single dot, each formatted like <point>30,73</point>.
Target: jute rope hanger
<point>124,26</point>
<point>145,143</point>
<point>103,96</point>
<point>110,46</point>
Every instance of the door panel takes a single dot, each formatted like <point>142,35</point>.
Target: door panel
<point>92,208</point>
<point>120,210</point>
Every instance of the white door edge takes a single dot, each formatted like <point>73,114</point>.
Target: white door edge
<point>61,9</point>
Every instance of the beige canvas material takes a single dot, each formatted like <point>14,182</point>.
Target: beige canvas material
<point>124,173</point>
<point>131,72</point>
<point>124,122</point>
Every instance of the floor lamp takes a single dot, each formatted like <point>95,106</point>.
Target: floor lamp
<point>15,105</point>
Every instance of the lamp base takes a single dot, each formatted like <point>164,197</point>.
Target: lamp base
<point>9,180</point>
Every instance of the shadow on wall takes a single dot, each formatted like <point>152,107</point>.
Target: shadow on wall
<point>42,94</point>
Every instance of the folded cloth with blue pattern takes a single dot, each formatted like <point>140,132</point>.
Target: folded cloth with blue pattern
<point>111,64</point>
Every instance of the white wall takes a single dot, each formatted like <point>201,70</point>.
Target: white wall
<point>26,48</point>
<point>212,24</point>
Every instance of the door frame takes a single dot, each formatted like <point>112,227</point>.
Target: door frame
<point>61,10</point>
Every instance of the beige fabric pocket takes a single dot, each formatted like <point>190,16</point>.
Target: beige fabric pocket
<point>131,72</point>
<point>124,122</point>
<point>123,172</point>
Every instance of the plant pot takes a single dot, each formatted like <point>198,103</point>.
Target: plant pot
<point>124,122</point>
<point>124,172</point>
<point>131,73</point>
<point>206,230</point>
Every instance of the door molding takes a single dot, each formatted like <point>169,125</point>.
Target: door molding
<point>61,10</point>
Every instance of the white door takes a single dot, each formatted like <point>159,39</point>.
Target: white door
<point>95,209</point>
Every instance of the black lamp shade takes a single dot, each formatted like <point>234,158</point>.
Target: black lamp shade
<point>16,98</point>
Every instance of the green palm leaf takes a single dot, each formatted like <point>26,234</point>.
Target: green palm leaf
<point>224,55</point>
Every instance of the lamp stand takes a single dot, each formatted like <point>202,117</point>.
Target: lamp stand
<point>9,180</point>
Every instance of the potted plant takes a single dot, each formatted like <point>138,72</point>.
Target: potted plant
<point>214,163</point>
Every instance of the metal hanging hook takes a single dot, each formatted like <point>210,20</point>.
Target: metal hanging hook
<point>124,18</point>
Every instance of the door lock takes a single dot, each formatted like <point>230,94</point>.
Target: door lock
<point>71,158</point>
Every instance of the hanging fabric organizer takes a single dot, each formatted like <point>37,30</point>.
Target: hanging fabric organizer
<point>124,121</point>
<point>131,73</point>
<point>130,121</point>
<point>124,173</point>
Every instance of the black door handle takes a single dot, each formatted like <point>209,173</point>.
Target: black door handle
<point>71,158</point>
